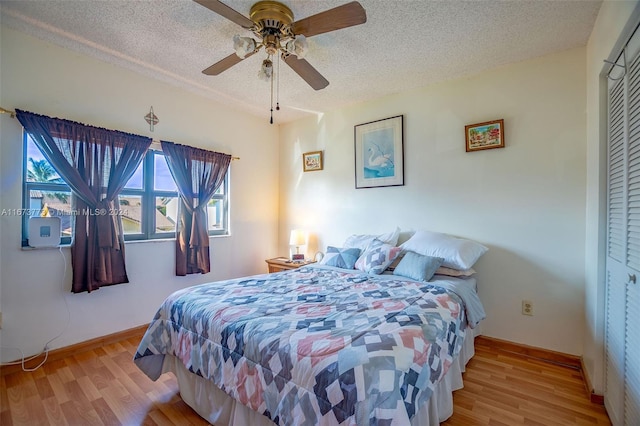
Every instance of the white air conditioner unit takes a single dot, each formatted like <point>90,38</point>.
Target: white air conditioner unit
<point>44,232</point>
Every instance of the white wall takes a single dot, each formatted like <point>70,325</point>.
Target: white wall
<point>525,202</point>
<point>612,18</point>
<point>50,80</point>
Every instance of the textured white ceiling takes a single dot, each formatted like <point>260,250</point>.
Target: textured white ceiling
<point>404,44</point>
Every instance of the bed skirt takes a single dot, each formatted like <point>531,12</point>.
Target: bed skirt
<point>219,409</point>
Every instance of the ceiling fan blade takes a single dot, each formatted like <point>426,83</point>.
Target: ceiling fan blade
<point>306,71</point>
<point>344,16</point>
<point>225,64</point>
<point>224,10</point>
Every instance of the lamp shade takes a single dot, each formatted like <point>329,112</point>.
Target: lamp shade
<point>298,238</point>
<point>243,45</point>
<point>297,46</point>
<point>266,70</point>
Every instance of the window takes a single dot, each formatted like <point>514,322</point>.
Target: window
<point>148,202</point>
<point>44,193</point>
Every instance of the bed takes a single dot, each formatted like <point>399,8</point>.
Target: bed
<point>318,345</point>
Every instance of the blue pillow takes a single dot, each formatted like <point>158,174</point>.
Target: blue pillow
<point>418,267</point>
<point>341,257</point>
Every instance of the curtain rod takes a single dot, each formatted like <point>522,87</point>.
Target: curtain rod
<point>156,142</point>
<point>12,114</point>
<point>157,146</point>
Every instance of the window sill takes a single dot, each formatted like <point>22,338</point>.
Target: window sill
<point>29,248</point>
<point>164,240</point>
<point>155,240</point>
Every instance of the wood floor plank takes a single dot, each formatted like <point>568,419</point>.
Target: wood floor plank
<point>77,414</point>
<point>123,361</point>
<point>17,406</point>
<point>148,421</point>
<point>5,418</point>
<point>54,413</point>
<point>102,386</point>
<point>37,413</point>
<point>143,382</point>
<point>142,399</point>
<point>50,367</point>
<point>76,370</point>
<point>22,384</point>
<point>76,393</point>
<point>107,416</point>
<point>65,374</point>
<point>59,390</point>
<point>88,387</point>
<point>4,400</point>
<point>160,418</point>
<point>113,368</point>
<point>101,377</point>
<point>115,400</point>
<point>496,411</point>
<point>182,413</point>
<point>91,360</point>
<point>44,388</point>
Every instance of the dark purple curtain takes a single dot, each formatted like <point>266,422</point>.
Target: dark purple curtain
<point>96,163</point>
<point>198,174</point>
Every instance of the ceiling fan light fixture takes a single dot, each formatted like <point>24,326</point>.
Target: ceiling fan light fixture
<point>298,46</point>
<point>243,45</point>
<point>273,25</point>
<point>266,70</point>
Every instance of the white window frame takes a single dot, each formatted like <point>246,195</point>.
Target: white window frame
<point>147,193</point>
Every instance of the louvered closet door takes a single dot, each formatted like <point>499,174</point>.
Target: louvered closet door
<point>622,333</point>
<point>616,256</point>
<point>632,388</point>
<point>632,308</point>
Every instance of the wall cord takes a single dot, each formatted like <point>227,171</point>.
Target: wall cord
<point>45,349</point>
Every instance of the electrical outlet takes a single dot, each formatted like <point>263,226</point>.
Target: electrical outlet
<point>527,307</point>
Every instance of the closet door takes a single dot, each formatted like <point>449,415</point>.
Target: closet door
<point>622,332</point>
<point>632,308</point>
<point>632,382</point>
<point>616,254</point>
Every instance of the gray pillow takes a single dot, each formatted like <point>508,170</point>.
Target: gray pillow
<point>417,266</point>
<point>341,257</point>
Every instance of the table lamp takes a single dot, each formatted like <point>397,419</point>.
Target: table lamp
<point>297,238</point>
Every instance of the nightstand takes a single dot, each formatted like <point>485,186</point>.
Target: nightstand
<point>278,264</point>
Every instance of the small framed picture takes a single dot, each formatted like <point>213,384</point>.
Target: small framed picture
<point>297,257</point>
<point>312,161</point>
<point>487,135</point>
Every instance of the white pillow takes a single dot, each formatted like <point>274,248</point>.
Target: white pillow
<point>363,241</point>
<point>457,253</point>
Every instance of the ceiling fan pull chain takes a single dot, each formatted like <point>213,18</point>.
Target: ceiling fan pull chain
<point>271,121</point>
<point>278,86</point>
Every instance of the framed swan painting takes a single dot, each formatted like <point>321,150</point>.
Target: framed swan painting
<point>379,152</point>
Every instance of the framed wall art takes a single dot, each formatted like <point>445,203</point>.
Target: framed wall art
<point>379,153</point>
<point>312,161</point>
<point>487,135</point>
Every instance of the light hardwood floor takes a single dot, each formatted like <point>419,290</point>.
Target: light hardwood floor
<point>104,387</point>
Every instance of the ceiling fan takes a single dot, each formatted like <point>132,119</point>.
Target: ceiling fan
<point>273,25</point>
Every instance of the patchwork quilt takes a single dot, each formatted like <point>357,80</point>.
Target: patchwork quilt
<point>313,346</point>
